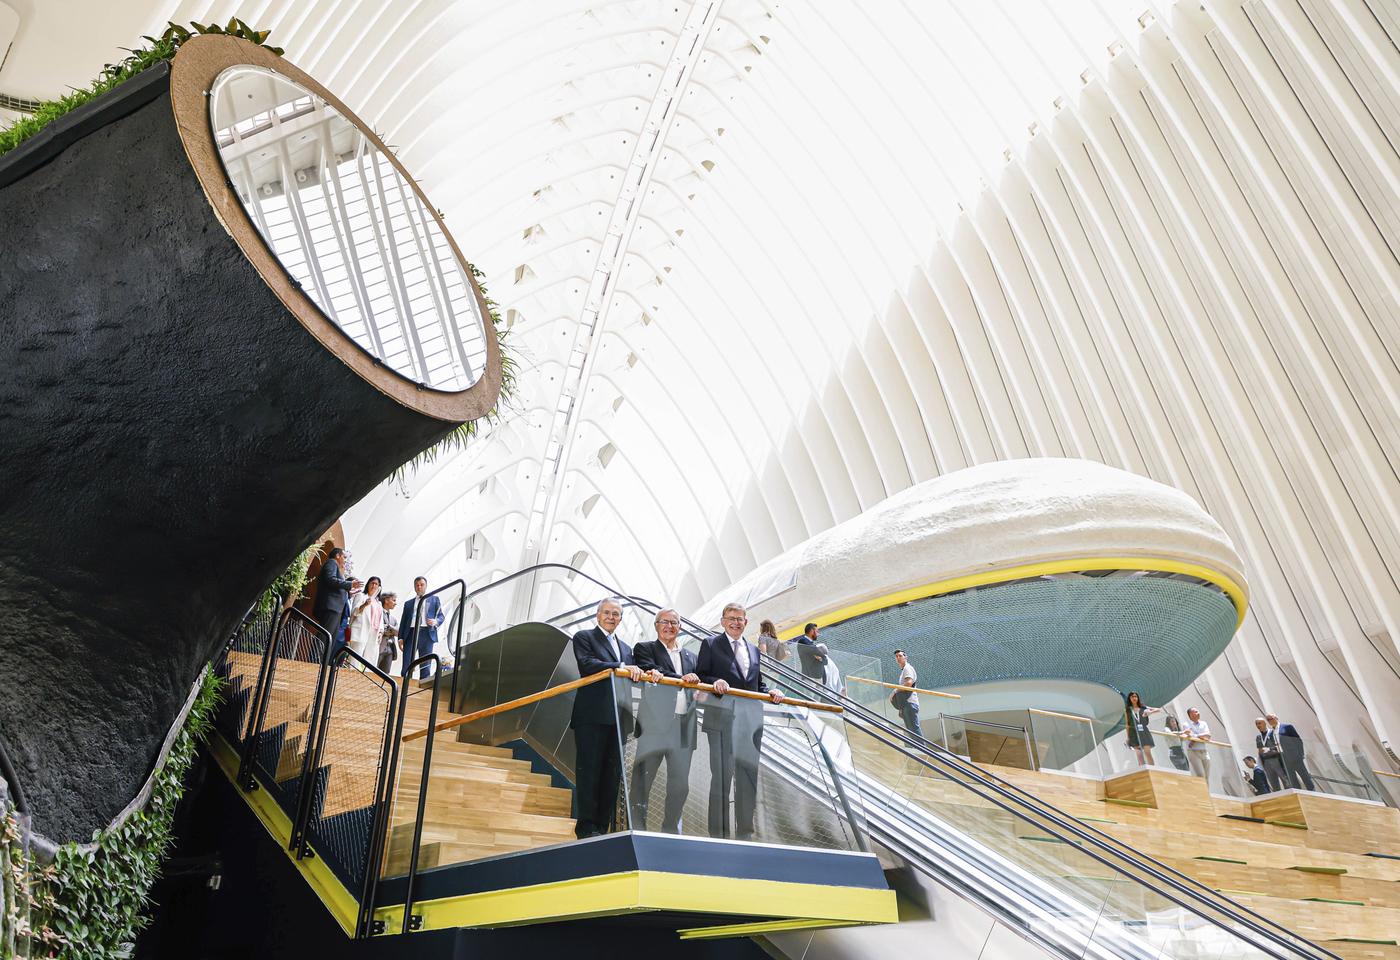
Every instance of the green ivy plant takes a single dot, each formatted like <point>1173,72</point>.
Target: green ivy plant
<point>89,903</point>
<point>158,50</point>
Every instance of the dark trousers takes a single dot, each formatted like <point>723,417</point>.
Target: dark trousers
<point>736,739</point>
<point>1297,770</point>
<point>386,658</point>
<point>330,622</point>
<point>909,713</point>
<point>1273,769</point>
<point>412,651</point>
<point>654,746</point>
<point>597,772</point>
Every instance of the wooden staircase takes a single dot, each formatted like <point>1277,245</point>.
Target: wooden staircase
<point>481,802</point>
<point>1303,860</point>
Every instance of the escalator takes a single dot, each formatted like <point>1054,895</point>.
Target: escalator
<point>339,763</point>
<point>1041,876</point>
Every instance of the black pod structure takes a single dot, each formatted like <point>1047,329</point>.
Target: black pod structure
<point>177,421</point>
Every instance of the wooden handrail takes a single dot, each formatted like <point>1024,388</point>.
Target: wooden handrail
<point>1386,773</point>
<point>595,678</point>
<point>1066,716</point>
<point>1187,736</point>
<point>900,686</point>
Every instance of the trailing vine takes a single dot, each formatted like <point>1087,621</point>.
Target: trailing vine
<point>159,49</point>
<point>89,903</point>
<point>458,438</point>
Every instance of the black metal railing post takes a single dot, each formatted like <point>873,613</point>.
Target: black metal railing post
<point>383,805</point>
<point>257,712</point>
<point>412,921</point>
<point>315,739</point>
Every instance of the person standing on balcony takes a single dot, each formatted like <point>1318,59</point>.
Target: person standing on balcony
<point>1139,734</point>
<point>332,594</point>
<point>1254,777</point>
<point>597,747</point>
<point>1197,751</point>
<point>418,635</point>
<point>366,621</point>
<point>1270,753</point>
<point>665,724</point>
<point>907,701</point>
<point>1294,762</point>
<point>390,631</point>
<point>811,660</point>
<point>733,727</point>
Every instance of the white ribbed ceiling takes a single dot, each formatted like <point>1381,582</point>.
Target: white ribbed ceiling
<point>879,241</point>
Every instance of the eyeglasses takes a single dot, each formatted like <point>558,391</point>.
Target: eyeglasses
<point>735,619</point>
<point>668,623</point>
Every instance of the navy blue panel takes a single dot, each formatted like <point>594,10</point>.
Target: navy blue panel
<point>623,852</point>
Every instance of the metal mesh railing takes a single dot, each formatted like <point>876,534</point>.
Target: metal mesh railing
<point>347,786</point>
<point>281,732</point>
<point>240,667</point>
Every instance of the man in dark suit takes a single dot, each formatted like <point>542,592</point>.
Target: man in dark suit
<point>665,723</point>
<point>1254,777</point>
<point>598,752</point>
<point>1270,754</point>
<point>1294,762</point>
<point>733,727</point>
<point>333,596</point>
<point>418,624</point>
<point>811,660</point>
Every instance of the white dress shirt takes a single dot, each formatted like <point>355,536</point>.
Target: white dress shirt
<point>676,663</point>
<point>612,645</point>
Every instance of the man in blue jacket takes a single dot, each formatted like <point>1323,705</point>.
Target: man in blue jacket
<point>418,627</point>
<point>597,750</point>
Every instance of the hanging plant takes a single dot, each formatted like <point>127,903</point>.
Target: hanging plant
<point>159,49</point>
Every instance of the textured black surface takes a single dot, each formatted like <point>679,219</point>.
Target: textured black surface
<point>170,437</point>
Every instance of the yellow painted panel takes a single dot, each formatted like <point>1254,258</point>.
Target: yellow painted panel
<point>1006,574</point>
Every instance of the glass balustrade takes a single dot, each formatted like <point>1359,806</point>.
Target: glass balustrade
<point>502,775</point>
<point>1064,887</point>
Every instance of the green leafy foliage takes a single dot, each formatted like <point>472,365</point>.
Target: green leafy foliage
<point>158,50</point>
<point>89,904</point>
<point>458,438</point>
<point>292,581</point>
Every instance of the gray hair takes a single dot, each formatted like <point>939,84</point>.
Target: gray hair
<point>732,605</point>
<point>391,595</point>
<point>666,610</point>
<point>615,601</point>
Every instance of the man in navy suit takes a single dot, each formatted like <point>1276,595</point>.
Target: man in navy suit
<point>665,723</point>
<point>598,752</point>
<point>1294,763</point>
<point>733,727</point>
<point>418,627</point>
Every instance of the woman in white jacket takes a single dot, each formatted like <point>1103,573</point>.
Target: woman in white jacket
<point>366,621</point>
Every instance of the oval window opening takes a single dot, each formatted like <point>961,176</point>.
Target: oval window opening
<point>348,227</point>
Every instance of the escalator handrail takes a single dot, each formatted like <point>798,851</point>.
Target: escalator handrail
<point>1202,896</point>
<point>1014,795</point>
<point>1186,885</point>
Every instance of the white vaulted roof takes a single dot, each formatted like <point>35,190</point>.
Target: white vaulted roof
<point>766,264</point>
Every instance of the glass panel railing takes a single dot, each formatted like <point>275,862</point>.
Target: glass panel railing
<point>734,767</point>
<point>1065,742</point>
<point>505,777</point>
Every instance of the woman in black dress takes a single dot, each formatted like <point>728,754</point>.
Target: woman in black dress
<point>1139,736</point>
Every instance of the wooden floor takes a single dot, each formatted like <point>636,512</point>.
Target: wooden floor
<point>1302,860</point>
